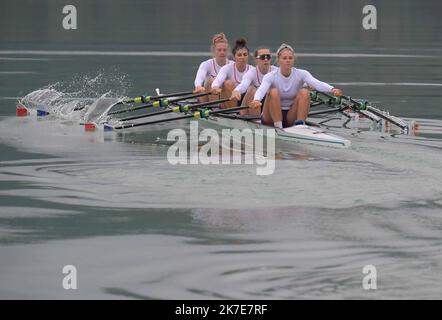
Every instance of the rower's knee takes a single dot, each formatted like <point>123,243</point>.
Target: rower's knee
<point>304,94</point>
<point>208,84</point>
<point>229,85</point>
<point>274,93</point>
<point>251,91</point>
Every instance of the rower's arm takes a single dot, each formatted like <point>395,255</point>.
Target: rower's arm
<point>201,75</point>
<point>316,84</point>
<point>219,79</point>
<point>264,87</point>
<point>245,83</point>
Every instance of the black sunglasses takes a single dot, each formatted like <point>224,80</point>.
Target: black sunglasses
<point>264,56</point>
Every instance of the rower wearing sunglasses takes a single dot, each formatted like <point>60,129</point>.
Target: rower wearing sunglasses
<point>253,79</point>
<point>232,74</point>
<point>209,69</point>
<point>287,103</point>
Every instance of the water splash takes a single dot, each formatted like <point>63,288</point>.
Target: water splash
<point>83,98</point>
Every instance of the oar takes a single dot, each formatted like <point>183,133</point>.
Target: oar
<point>363,106</point>
<point>159,103</point>
<point>317,103</point>
<point>379,113</point>
<point>180,108</point>
<point>197,115</point>
<point>330,110</point>
<point>337,100</point>
<point>146,99</point>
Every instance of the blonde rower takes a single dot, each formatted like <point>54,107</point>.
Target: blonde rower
<point>232,74</point>
<point>253,79</point>
<point>209,69</point>
<point>287,103</point>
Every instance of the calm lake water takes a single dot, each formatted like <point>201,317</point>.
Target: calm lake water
<point>135,226</point>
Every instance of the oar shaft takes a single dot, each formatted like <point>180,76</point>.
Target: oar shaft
<point>196,115</point>
<point>146,115</point>
<point>196,95</point>
<point>356,105</point>
<point>386,118</point>
<point>176,109</point>
<point>132,125</point>
<point>203,104</point>
<point>229,109</point>
<point>315,104</point>
<point>158,103</point>
<point>161,96</point>
<point>146,99</point>
<point>377,113</point>
<point>330,110</point>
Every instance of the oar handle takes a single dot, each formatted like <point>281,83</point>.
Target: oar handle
<point>334,99</point>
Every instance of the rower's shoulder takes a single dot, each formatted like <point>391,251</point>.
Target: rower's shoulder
<point>207,62</point>
<point>251,70</point>
<point>301,71</point>
<point>229,64</point>
<point>226,67</point>
<point>270,75</point>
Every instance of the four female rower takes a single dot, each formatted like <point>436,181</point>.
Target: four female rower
<point>209,69</point>
<point>287,103</point>
<point>232,74</point>
<point>253,79</point>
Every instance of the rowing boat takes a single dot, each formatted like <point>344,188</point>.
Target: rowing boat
<point>291,135</point>
<point>218,120</point>
<point>304,134</point>
<point>167,114</point>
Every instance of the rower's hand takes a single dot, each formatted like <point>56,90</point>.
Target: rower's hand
<point>336,92</point>
<point>199,89</point>
<point>255,104</point>
<point>235,96</point>
<point>216,91</point>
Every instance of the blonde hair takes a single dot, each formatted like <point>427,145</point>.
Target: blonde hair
<point>219,38</point>
<point>283,47</point>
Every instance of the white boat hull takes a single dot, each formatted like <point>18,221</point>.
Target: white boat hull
<point>293,135</point>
